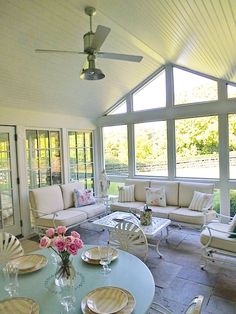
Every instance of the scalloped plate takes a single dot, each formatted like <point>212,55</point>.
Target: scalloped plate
<point>29,263</point>
<point>19,306</point>
<point>95,253</point>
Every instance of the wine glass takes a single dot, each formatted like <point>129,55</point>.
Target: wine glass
<point>11,279</point>
<point>105,258</point>
<point>67,297</point>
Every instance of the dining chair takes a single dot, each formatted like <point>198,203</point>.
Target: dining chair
<point>129,237</point>
<point>10,247</point>
<point>194,307</point>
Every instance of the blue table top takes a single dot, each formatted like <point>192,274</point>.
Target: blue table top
<point>128,272</point>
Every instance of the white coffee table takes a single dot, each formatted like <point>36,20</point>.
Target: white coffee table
<point>158,225</point>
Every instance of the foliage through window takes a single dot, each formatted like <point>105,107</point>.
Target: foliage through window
<point>191,88</point>
<point>81,166</point>
<point>197,147</point>
<point>43,154</point>
<point>232,146</point>
<point>151,148</point>
<point>152,95</point>
<point>115,150</point>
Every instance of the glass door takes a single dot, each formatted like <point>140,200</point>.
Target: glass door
<point>9,198</point>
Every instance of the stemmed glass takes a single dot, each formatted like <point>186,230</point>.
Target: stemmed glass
<point>105,258</point>
<point>67,297</point>
<point>11,279</point>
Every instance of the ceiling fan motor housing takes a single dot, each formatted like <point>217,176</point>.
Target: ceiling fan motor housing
<point>88,39</point>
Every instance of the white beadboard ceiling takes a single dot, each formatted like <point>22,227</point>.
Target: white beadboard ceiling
<point>197,34</point>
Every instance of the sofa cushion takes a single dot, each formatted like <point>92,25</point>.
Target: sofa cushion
<point>83,197</point>
<point>232,227</point>
<point>186,191</point>
<point>124,207</point>
<point>46,199</point>
<point>201,201</point>
<point>156,196</point>
<point>126,193</point>
<point>139,188</point>
<point>91,210</point>
<point>64,218</point>
<point>162,212</point>
<point>189,216</point>
<point>171,189</point>
<point>219,240</point>
<point>67,192</point>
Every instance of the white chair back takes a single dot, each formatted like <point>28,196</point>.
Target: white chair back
<point>10,247</point>
<point>195,305</point>
<point>129,237</point>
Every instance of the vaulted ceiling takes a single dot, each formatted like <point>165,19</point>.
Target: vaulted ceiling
<point>197,34</point>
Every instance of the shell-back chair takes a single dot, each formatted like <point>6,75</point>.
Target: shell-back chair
<point>10,247</point>
<point>129,237</point>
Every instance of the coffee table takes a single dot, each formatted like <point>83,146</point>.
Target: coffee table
<point>158,225</point>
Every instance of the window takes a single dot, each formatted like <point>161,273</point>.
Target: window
<point>197,147</point>
<point>115,150</point>
<point>232,146</point>
<point>151,149</point>
<point>43,154</point>
<point>152,95</point>
<point>81,165</point>
<point>232,202</point>
<point>231,91</point>
<point>113,188</point>
<point>122,108</point>
<point>191,88</point>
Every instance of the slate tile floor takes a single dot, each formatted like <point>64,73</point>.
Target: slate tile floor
<point>178,276</point>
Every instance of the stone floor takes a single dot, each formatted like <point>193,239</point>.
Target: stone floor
<point>178,276</point>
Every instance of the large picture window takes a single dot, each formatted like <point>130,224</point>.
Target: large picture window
<point>197,147</point>
<point>81,166</point>
<point>232,146</point>
<point>151,149</point>
<point>43,154</point>
<point>115,150</point>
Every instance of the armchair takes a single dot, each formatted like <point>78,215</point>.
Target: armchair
<point>218,243</point>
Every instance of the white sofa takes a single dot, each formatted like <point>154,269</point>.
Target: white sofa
<point>54,205</point>
<point>178,199</point>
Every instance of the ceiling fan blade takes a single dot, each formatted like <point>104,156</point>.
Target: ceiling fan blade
<point>59,51</point>
<point>118,56</point>
<point>99,37</point>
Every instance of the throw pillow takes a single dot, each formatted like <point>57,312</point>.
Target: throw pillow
<point>201,201</point>
<point>83,197</point>
<point>156,196</point>
<point>232,228</point>
<point>126,193</point>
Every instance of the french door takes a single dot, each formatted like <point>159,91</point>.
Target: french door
<point>9,197</point>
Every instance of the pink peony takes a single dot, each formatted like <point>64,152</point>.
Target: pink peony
<point>72,248</point>
<point>59,244</point>
<point>61,229</point>
<point>75,234</point>
<point>50,233</point>
<point>79,243</point>
<point>44,242</point>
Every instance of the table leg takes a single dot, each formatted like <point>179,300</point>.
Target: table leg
<point>157,248</point>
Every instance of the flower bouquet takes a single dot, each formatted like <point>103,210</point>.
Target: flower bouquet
<point>64,246</point>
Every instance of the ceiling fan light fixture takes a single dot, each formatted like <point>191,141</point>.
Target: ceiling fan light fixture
<point>92,74</point>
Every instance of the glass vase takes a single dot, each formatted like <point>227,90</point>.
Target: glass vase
<point>65,273</point>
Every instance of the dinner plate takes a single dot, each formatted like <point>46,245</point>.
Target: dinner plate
<point>95,253</point>
<point>128,309</point>
<point>29,263</point>
<point>19,306</point>
<point>89,261</point>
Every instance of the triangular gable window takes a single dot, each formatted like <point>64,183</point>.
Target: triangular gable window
<point>122,108</point>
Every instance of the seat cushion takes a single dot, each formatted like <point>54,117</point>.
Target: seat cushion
<point>47,199</point>
<point>124,207</point>
<point>186,191</point>
<point>171,189</point>
<point>91,210</point>
<point>139,188</point>
<point>67,192</point>
<point>162,212</point>
<point>187,215</point>
<point>64,218</point>
<point>219,240</point>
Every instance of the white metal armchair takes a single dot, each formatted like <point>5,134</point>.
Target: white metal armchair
<point>219,244</point>
<point>129,237</point>
<point>194,307</point>
<point>10,247</point>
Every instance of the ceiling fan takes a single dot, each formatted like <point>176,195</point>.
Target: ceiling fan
<point>92,44</point>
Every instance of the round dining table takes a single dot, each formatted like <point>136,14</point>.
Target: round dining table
<point>127,272</point>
